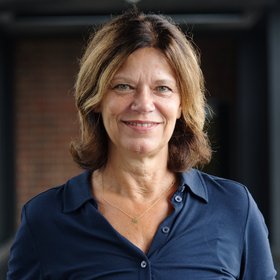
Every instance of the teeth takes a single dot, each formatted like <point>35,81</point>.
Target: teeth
<point>140,124</point>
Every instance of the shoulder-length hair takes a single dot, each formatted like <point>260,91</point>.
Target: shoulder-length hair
<point>107,50</point>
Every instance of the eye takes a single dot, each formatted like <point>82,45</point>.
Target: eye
<point>122,87</point>
<point>163,89</point>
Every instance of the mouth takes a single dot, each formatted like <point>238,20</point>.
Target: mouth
<point>141,124</point>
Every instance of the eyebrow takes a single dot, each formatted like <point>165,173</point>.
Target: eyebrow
<point>166,81</point>
<point>159,81</point>
<point>122,78</point>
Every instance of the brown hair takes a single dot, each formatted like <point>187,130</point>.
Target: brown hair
<point>106,52</point>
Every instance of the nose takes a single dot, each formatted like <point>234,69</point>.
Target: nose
<point>143,101</point>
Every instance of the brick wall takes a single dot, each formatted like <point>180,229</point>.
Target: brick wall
<point>46,120</point>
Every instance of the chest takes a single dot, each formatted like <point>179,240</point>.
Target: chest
<point>193,253</point>
<point>183,244</point>
<point>139,229</point>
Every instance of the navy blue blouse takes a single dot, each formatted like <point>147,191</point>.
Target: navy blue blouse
<point>215,232</point>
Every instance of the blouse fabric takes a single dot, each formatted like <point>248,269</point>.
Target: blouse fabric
<point>215,232</point>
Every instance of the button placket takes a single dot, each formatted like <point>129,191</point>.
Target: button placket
<point>178,198</point>
<point>182,189</point>
<point>165,229</point>
<point>143,264</point>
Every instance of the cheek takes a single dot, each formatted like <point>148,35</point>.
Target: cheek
<point>175,109</point>
<point>109,109</point>
<point>112,112</point>
<point>115,105</point>
<point>179,113</point>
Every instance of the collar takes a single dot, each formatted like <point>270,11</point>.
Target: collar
<point>194,181</point>
<point>77,191</point>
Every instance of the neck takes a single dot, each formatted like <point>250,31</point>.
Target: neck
<point>137,178</point>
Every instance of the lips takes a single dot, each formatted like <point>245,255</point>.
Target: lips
<point>140,124</point>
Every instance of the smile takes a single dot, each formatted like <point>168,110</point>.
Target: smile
<point>141,124</point>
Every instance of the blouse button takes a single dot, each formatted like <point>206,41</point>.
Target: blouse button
<point>143,264</point>
<point>165,229</point>
<point>178,198</point>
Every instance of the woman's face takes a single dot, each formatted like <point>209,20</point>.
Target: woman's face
<point>141,105</point>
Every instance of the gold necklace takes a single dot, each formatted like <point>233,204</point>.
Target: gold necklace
<point>136,219</point>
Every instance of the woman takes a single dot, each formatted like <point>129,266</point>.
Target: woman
<point>140,211</point>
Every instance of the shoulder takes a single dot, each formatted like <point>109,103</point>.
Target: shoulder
<point>224,187</point>
<point>231,202</point>
<point>232,196</point>
<point>45,203</point>
<point>58,200</point>
<point>223,195</point>
<point>241,222</point>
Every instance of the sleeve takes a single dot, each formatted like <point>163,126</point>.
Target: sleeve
<point>257,260</point>
<point>24,262</point>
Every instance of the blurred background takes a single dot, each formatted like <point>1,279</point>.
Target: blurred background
<point>40,45</point>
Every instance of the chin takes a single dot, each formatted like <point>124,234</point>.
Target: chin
<point>144,150</point>
<point>140,150</point>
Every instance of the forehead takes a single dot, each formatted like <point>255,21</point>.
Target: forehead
<point>146,61</point>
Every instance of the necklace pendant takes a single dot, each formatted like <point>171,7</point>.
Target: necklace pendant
<point>134,221</point>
